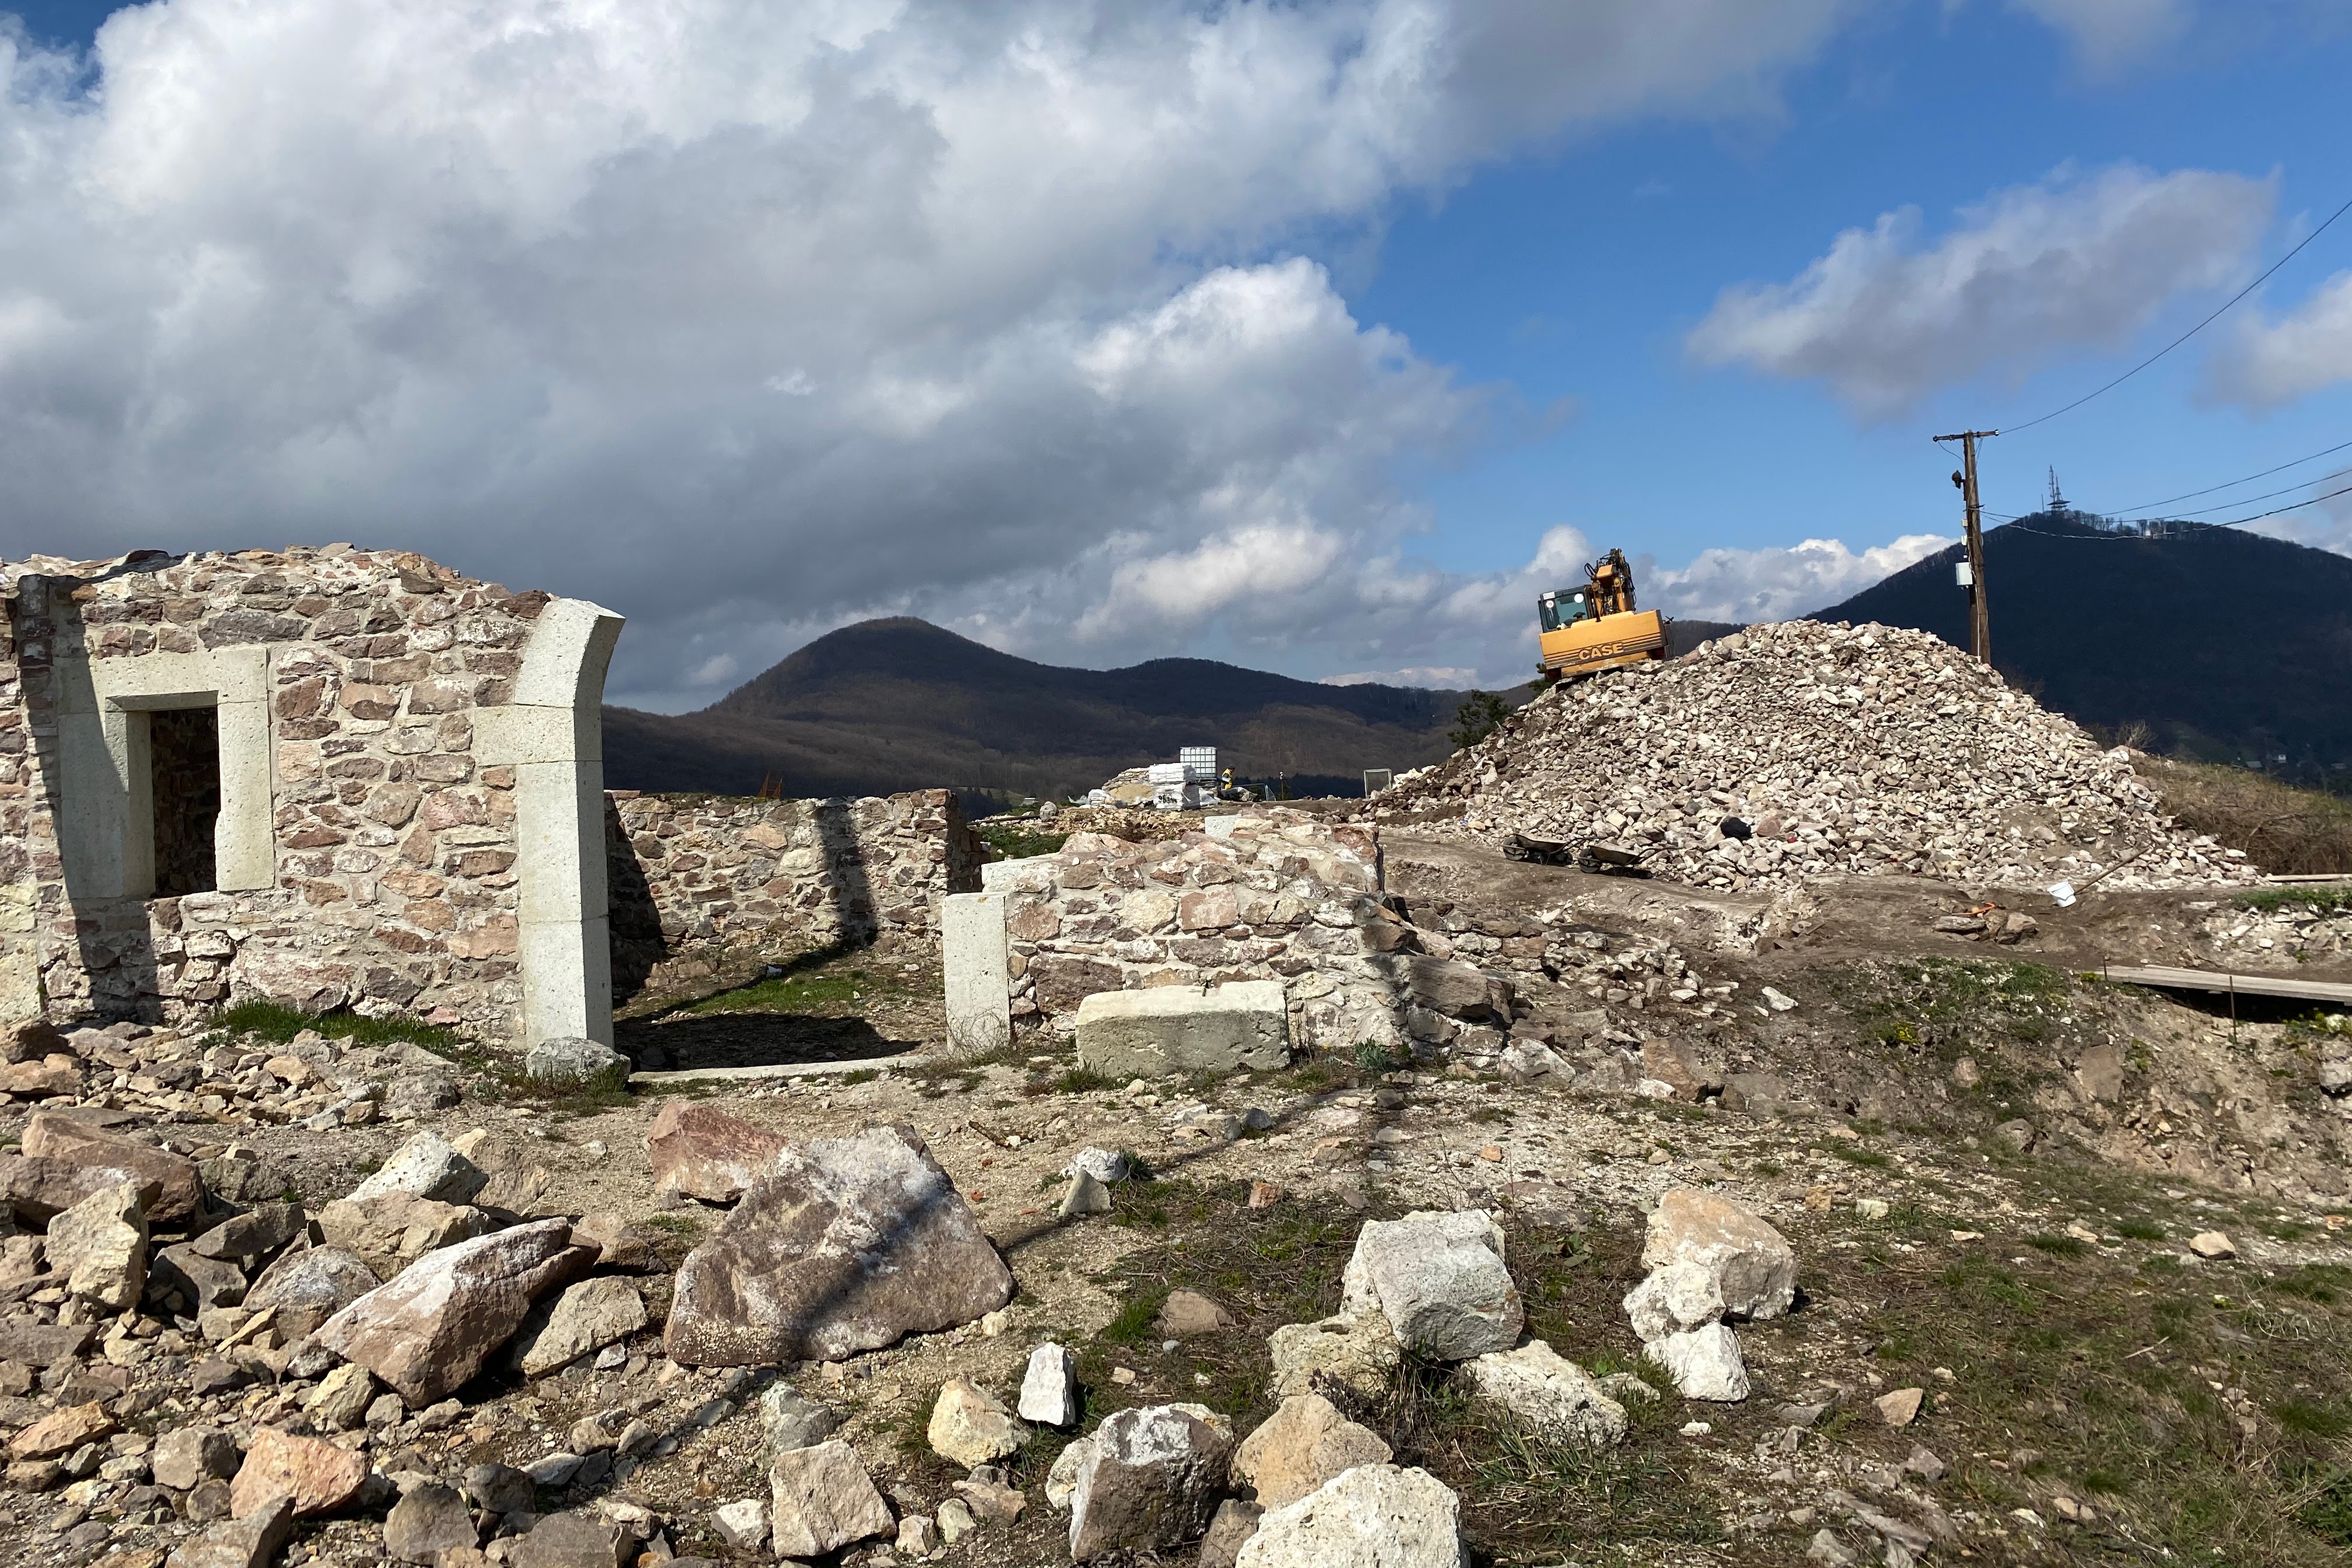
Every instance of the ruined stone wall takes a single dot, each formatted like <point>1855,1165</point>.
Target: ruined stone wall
<point>369,838</point>
<point>1263,894</point>
<point>693,872</point>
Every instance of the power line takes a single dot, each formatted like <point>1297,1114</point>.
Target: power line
<point>2208,490</point>
<point>2246,501</point>
<point>2188,529</point>
<point>2191,333</point>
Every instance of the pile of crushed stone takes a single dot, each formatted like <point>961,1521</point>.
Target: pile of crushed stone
<point>1864,749</point>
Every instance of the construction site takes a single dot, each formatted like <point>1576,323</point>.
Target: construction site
<point>1796,1101</point>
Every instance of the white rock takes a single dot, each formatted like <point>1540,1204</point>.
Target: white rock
<point>1673,1299</point>
<point>821,1499</point>
<point>742,1524</point>
<point>1374,1516</point>
<point>427,1167</point>
<point>1779,1001</point>
<point>100,1246</point>
<point>1755,1269</point>
<point>1549,1394</point>
<point>1704,1364</point>
<point>1356,1349</point>
<point>1102,1164</point>
<point>1049,1389</point>
<point>1439,1280</point>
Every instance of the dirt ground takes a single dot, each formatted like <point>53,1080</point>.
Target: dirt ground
<point>2095,1390</point>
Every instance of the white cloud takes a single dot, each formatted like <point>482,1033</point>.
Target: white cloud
<point>2112,33</point>
<point>750,318</point>
<point>2070,262</point>
<point>2265,363</point>
<point>1437,678</point>
<point>1776,583</point>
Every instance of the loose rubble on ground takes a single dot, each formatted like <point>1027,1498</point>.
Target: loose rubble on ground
<point>1439,1208</point>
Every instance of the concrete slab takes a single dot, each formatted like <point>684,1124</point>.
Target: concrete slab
<point>977,975</point>
<point>1168,1030</point>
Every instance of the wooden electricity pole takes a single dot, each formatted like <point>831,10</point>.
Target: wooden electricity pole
<point>1979,628</point>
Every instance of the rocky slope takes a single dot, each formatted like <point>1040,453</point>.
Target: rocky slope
<point>1795,750</point>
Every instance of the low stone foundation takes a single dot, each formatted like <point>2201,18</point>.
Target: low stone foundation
<point>1264,894</point>
<point>692,875</point>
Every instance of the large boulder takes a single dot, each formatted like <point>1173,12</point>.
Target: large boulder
<point>426,1167</point>
<point>39,1188</point>
<point>305,1289</point>
<point>185,1458</point>
<point>571,1541</point>
<point>429,1520</point>
<point>1552,1396</point>
<point>1374,1516</point>
<point>179,1190</point>
<point>821,1499</point>
<point>257,1234</point>
<point>1439,1280</point>
<point>251,1542</point>
<point>1164,1030</point>
<point>851,1245</point>
<point>1305,1443</point>
<point>392,1231</point>
<point>434,1324</point>
<point>100,1246</point>
<point>699,1152</point>
<point>583,1320</point>
<point>1754,1268</point>
<point>1148,1480</point>
<point>320,1477</point>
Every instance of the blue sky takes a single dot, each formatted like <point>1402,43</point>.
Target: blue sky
<point>1576,274</point>
<point>1317,336</point>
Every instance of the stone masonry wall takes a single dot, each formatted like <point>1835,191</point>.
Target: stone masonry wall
<point>691,872</point>
<point>392,846</point>
<point>1263,894</point>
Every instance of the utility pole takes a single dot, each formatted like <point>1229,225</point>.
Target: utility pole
<point>1979,628</point>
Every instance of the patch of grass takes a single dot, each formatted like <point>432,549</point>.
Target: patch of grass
<point>1937,1006</point>
<point>1871,1158</point>
<point>1132,1326</point>
<point>793,993</point>
<point>2108,1373</point>
<point>1082,1080</point>
<point>2281,828</point>
<point>1371,1057</point>
<point>860,1075</point>
<point>1018,838</point>
<point>2139,1230</point>
<point>673,1223</point>
<point>269,1021</point>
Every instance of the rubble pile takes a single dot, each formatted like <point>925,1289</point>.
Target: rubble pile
<point>1838,750</point>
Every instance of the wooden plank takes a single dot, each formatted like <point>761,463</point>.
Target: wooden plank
<point>2219,980</point>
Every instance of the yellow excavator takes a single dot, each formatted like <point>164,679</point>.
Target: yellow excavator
<point>1595,627</point>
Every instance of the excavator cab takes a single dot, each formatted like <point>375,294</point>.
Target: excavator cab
<point>1596,627</point>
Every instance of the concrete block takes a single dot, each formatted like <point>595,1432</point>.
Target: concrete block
<point>1175,1029</point>
<point>979,1016</point>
